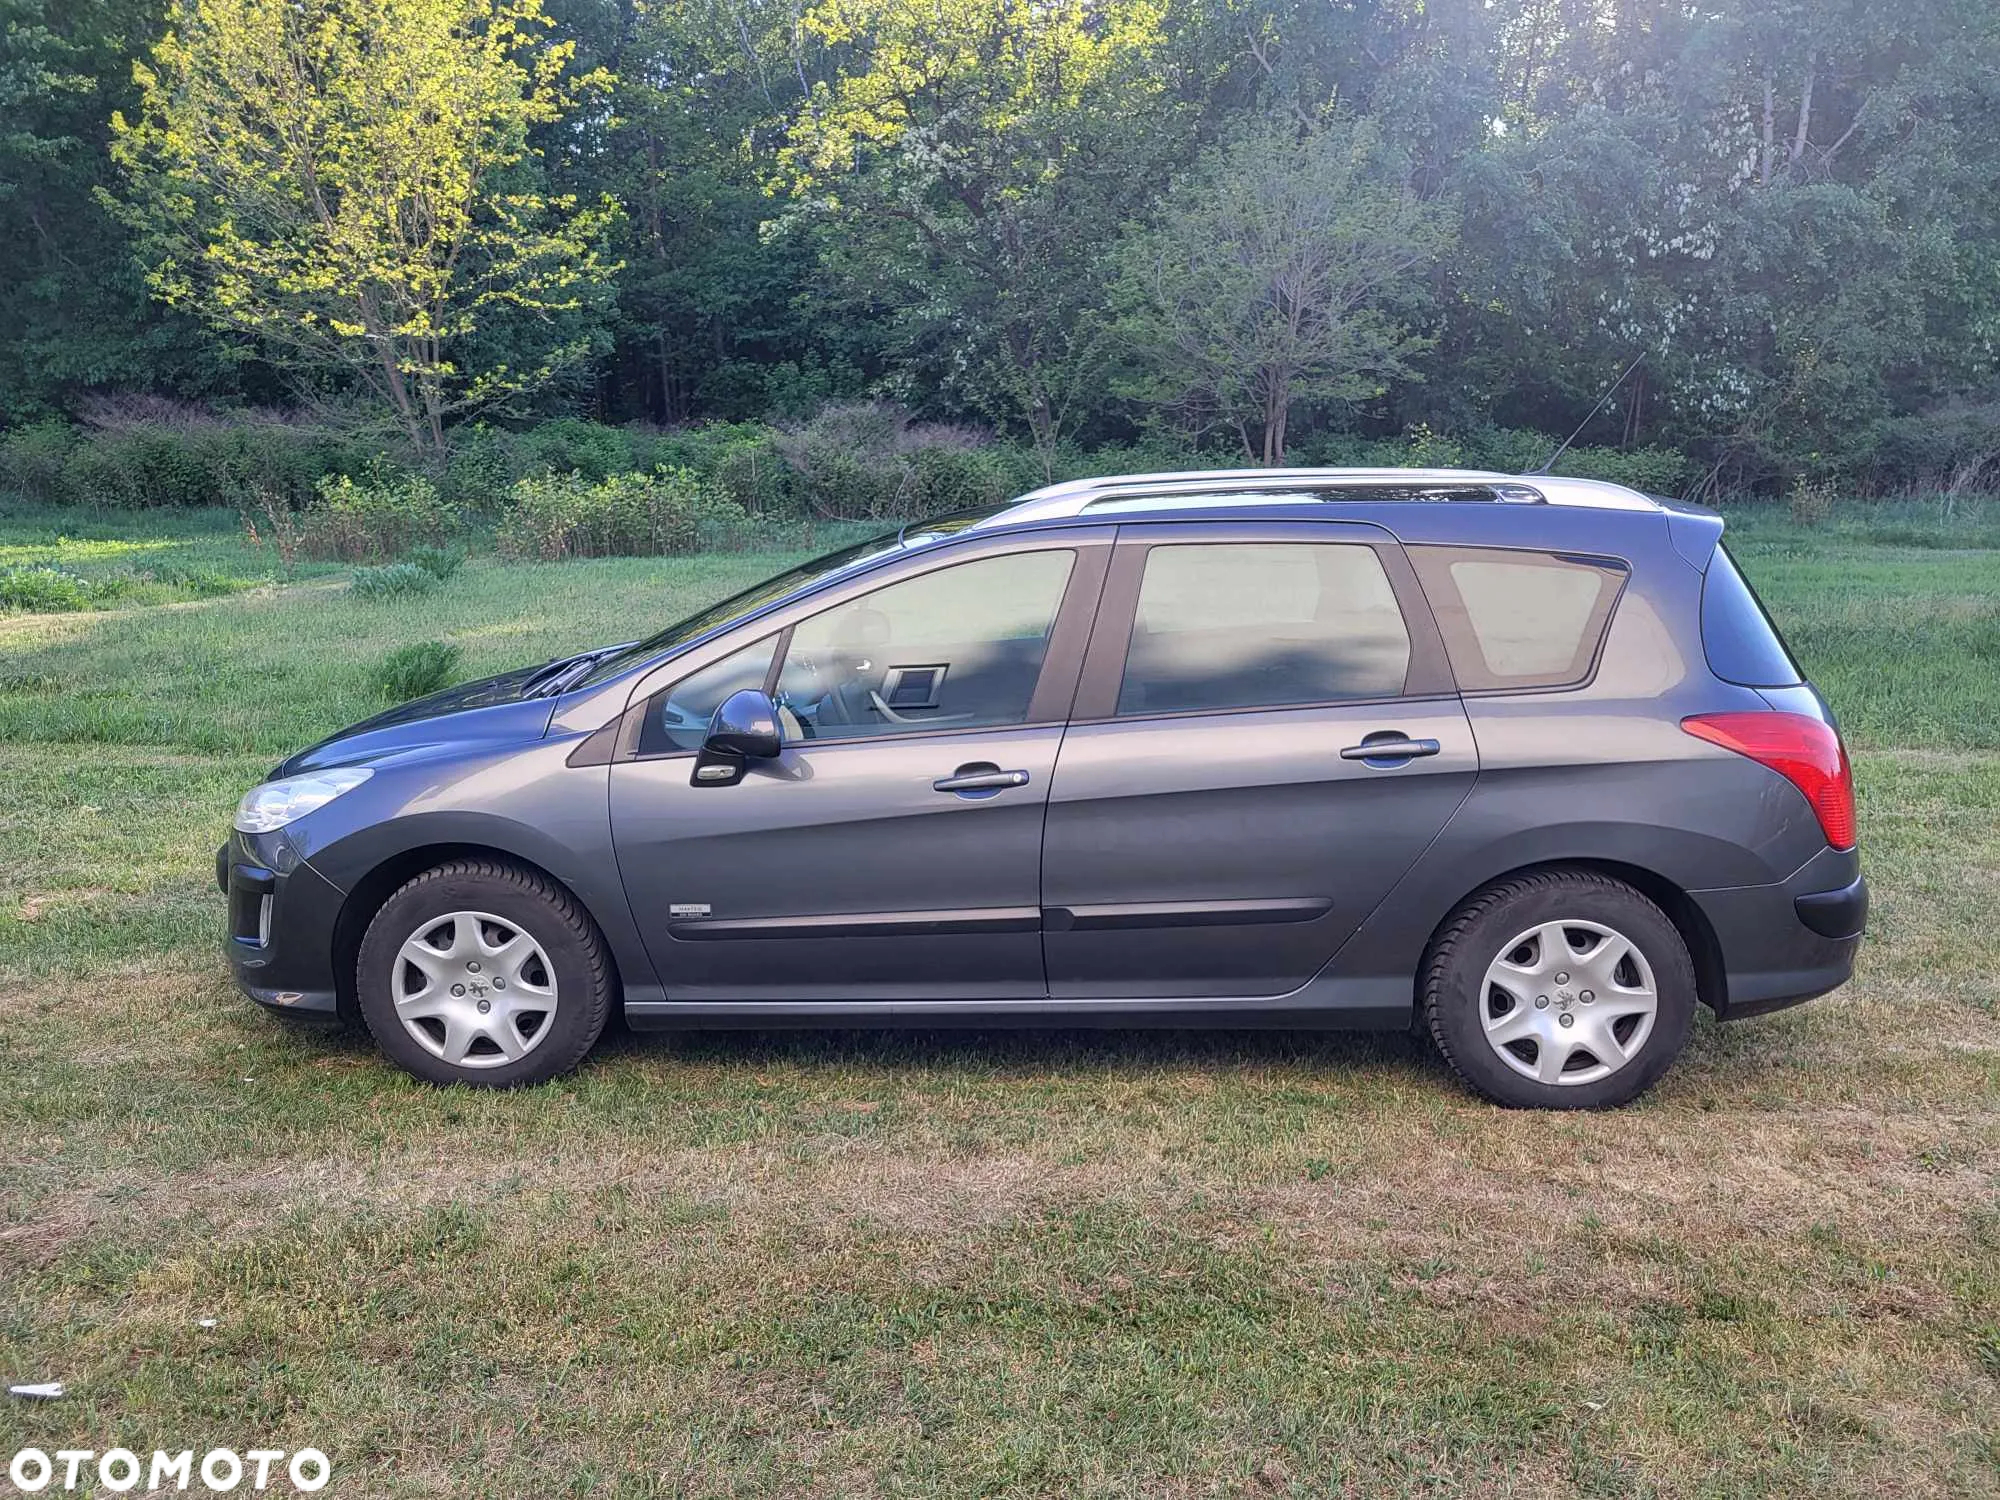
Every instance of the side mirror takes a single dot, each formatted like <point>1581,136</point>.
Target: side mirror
<point>744,728</point>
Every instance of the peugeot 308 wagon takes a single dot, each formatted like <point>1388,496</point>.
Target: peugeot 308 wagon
<point>1516,760</point>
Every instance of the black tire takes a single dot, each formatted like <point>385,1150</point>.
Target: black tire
<point>1454,976</point>
<point>535,905</point>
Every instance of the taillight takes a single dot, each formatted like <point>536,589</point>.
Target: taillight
<point>1799,748</point>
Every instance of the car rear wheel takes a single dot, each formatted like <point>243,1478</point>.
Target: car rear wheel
<point>1559,990</point>
<point>484,974</point>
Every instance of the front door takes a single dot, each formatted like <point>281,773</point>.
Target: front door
<point>893,850</point>
<point>1266,738</point>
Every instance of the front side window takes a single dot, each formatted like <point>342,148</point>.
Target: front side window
<point>677,719</point>
<point>1518,619</point>
<point>1262,625</point>
<point>960,648</point>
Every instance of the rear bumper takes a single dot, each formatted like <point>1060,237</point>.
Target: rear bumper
<point>280,926</point>
<point>1791,942</point>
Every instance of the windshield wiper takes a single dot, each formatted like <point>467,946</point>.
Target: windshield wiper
<point>559,674</point>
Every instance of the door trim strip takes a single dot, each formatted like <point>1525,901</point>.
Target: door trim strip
<point>868,924</point>
<point>1117,916</point>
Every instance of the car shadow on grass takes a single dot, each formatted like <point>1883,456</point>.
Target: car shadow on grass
<point>1038,1050</point>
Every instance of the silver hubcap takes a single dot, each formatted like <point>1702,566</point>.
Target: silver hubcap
<point>1568,1002</point>
<point>474,990</point>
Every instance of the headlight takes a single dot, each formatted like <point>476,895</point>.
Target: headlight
<point>276,803</point>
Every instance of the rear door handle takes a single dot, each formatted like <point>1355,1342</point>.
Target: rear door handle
<point>979,778</point>
<point>1389,748</point>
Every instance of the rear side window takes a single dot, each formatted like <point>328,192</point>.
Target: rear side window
<point>1262,625</point>
<point>1514,619</point>
<point>1741,643</point>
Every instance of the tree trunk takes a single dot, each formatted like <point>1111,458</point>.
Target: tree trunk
<point>1277,406</point>
<point>1764,157</point>
<point>1805,117</point>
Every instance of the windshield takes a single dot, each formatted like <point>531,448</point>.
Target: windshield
<point>805,575</point>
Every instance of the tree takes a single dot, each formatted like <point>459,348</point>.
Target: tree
<point>352,184</point>
<point>74,310</point>
<point>969,171</point>
<point>1273,277</point>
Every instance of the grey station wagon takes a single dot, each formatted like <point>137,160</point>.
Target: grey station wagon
<point>1516,760</point>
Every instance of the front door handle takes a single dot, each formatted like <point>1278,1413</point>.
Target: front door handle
<point>1389,748</point>
<point>979,778</point>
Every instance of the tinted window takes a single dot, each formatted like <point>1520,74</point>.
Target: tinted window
<point>1741,642</point>
<point>1261,625</point>
<point>677,719</point>
<point>819,570</point>
<point>959,648</point>
<point>1515,619</point>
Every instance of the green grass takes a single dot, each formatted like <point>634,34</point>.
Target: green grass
<point>1043,1263</point>
<point>128,559</point>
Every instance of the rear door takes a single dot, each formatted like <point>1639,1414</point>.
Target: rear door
<point>1266,736</point>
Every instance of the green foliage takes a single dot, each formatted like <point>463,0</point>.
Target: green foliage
<point>970,169</point>
<point>442,563</point>
<point>352,183</point>
<point>382,518</point>
<point>1273,278</point>
<point>392,581</point>
<point>1651,471</point>
<point>175,459</point>
<point>870,461</point>
<point>43,589</point>
<point>628,515</point>
<point>1791,212</point>
<point>34,461</point>
<point>417,669</point>
<point>1810,501</point>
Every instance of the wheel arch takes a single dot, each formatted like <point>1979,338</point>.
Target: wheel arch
<point>367,895</point>
<point>1704,949</point>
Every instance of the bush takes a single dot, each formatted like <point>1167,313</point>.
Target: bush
<point>43,589</point>
<point>442,563</point>
<point>570,445</point>
<point>382,518</point>
<point>629,515</point>
<point>870,461</point>
<point>1810,501</point>
<point>392,581</point>
<point>33,460</point>
<point>155,459</point>
<point>416,670</point>
<point>1651,471</point>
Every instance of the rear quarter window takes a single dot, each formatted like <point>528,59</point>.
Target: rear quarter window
<point>1737,636</point>
<point>1515,619</point>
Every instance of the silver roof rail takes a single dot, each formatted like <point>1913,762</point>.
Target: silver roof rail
<point>1206,488</point>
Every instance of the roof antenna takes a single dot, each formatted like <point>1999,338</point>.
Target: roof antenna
<point>1610,391</point>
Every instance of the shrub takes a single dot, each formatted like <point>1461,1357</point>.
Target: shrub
<point>570,445</point>
<point>1810,501</point>
<point>630,515</point>
<point>1652,471</point>
<point>417,669</point>
<point>204,463</point>
<point>43,589</point>
<point>381,518</point>
<point>33,460</point>
<point>392,581</point>
<point>442,563</point>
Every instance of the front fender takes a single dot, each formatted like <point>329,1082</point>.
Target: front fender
<point>522,802</point>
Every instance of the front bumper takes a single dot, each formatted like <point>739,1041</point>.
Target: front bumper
<point>280,928</point>
<point>1791,942</point>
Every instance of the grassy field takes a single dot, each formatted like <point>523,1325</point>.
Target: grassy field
<point>1047,1263</point>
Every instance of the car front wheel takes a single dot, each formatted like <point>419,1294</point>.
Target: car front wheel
<point>1564,989</point>
<point>484,973</point>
